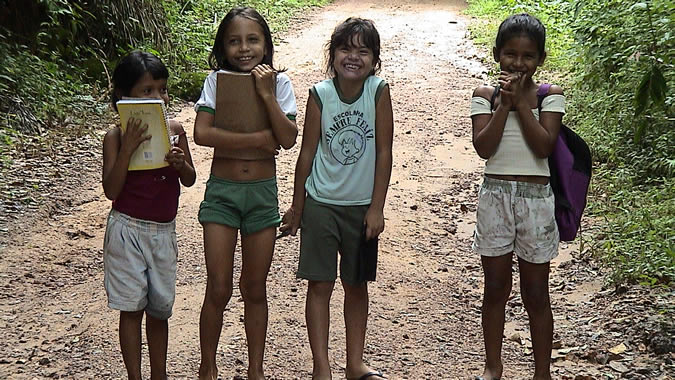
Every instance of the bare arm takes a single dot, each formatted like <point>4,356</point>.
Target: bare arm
<point>285,130</point>
<point>540,135</point>
<point>310,141</point>
<point>179,156</point>
<point>384,135</point>
<point>488,129</point>
<point>206,134</point>
<point>117,151</point>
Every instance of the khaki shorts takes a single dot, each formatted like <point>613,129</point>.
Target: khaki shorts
<point>247,206</point>
<point>139,265</point>
<point>326,230</point>
<point>516,217</point>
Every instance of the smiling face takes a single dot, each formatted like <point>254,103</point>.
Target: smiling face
<point>353,61</point>
<point>244,44</point>
<point>519,55</point>
<point>149,87</point>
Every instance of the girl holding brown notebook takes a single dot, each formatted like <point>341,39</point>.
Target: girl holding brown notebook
<point>241,193</point>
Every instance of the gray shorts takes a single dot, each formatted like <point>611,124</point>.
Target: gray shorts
<point>139,263</point>
<point>516,217</point>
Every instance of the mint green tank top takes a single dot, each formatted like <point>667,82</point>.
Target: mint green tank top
<point>343,170</point>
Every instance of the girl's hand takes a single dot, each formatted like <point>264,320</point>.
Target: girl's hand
<point>511,85</point>
<point>134,136</point>
<point>270,143</point>
<point>264,80</point>
<point>176,158</point>
<point>374,223</point>
<point>291,221</point>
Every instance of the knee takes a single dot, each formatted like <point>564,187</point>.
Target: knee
<point>253,292</point>
<point>320,289</point>
<point>132,316</point>
<point>358,291</point>
<point>496,292</point>
<point>535,299</point>
<point>218,294</point>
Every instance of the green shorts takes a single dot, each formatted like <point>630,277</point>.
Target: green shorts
<point>325,230</point>
<point>248,206</point>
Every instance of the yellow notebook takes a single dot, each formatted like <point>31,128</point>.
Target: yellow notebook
<point>150,153</point>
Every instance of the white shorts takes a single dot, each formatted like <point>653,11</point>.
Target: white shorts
<point>516,217</point>
<point>139,263</point>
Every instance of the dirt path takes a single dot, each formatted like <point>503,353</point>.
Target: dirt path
<point>425,306</point>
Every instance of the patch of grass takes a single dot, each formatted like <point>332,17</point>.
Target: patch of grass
<point>637,239</point>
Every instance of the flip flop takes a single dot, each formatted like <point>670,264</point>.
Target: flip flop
<point>366,375</point>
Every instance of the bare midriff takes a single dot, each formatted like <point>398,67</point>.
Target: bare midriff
<point>243,170</point>
<point>520,178</point>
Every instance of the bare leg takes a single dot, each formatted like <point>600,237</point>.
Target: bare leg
<point>130,342</point>
<point>257,252</point>
<point>496,291</point>
<point>157,332</point>
<point>534,290</point>
<point>356,319</point>
<point>219,243</point>
<point>317,316</point>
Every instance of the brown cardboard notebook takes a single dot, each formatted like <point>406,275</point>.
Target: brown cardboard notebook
<point>240,109</point>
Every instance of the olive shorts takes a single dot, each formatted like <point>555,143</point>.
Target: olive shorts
<point>326,230</point>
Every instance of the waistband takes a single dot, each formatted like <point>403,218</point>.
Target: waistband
<point>140,224</point>
<point>257,182</point>
<point>523,189</point>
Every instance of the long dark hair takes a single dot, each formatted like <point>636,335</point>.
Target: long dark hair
<point>217,58</point>
<point>131,68</point>
<point>343,35</point>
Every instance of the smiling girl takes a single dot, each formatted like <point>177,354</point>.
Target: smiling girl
<point>241,195</point>
<point>516,203</point>
<point>341,181</point>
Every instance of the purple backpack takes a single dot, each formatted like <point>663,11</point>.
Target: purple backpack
<point>570,165</point>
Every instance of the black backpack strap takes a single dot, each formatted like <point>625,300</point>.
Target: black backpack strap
<point>494,97</point>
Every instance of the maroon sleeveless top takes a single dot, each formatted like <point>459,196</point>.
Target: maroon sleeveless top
<point>150,195</point>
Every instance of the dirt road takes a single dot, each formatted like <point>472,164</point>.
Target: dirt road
<point>425,306</point>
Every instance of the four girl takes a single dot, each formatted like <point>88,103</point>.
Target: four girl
<point>516,204</point>
<point>341,180</point>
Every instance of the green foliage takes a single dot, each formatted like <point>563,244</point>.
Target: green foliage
<point>614,59</point>
<point>631,47</point>
<point>34,93</point>
<point>638,241</point>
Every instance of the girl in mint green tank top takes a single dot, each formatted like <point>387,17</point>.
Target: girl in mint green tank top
<point>342,175</point>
